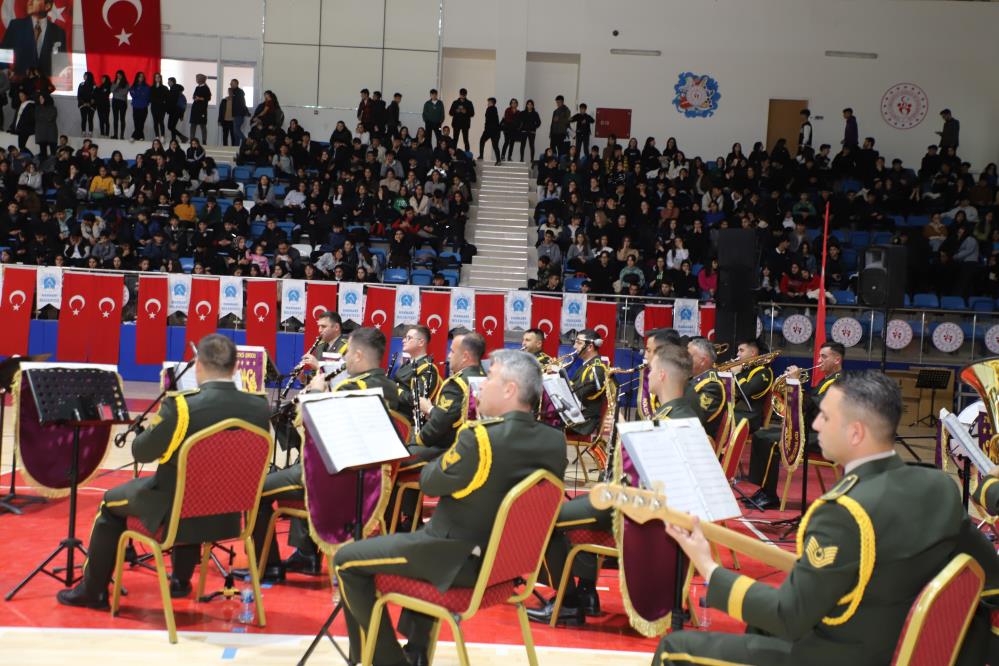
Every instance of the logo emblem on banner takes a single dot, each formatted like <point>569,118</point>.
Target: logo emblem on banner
<point>904,105</point>
<point>992,339</point>
<point>696,95</point>
<point>462,308</point>
<point>847,331</point>
<point>406,300</point>
<point>948,337</point>
<point>685,317</point>
<point>49,282</point>
<point>797,329</point>
<point>230,291</point>
<point>898,334</point>
<point>180,289</point>
<point>294,295</point>
<point>350,298</point>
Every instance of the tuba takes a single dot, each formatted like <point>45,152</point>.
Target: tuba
<point>983,376</point>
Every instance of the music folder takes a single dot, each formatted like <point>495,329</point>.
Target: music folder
<point>677,455</point>
<point>560,393</point>
<point>352,429</point>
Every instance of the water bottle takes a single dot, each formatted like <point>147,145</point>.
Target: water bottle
<point>247,610</point>
<point>704,611</point>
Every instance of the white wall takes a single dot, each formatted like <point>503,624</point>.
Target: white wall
<point>474,70</point>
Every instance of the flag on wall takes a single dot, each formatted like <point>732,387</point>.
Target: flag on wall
<point>105,332</point>
<point>320,297</point>
<point>654,317</point>
<point>151,320</point>
<point>122,34</point>
<point>462,308</point>
<point>202,312</point>
<point>601,316</point>
<point>407,304</point>
<point>546,314</point>
<point>293,300</point>
<point>90,318</point>
<point>261,315</point>
<point>518,310</point>
<point>489,310</point>
<point>17,296</point>
<point>379,312</point>
<point>435,311</point>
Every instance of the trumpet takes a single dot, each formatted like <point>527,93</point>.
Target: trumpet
<point>721,348</point>
<point>625,371</point>
<point>562,362</point>
<point>751,362</point>
<point>803,375</point>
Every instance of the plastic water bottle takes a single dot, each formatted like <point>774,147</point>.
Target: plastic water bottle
<point>704,611</point>
<point>247,610</point>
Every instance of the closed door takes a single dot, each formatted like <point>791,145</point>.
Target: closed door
<point>784,122</point>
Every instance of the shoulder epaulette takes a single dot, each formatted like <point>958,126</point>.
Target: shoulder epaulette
<point>174,394</point>
<point>485,421</point>
<point>842,488</point>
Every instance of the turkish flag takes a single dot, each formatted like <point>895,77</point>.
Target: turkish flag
<point>435,311</point>
<point>105,333</point>
<point>15,310</point>
<point>202,312</point>
<point>379,312</point>
<point>706,313</point>
<point>602,318</point>
<point>75,320</point>
<point>656,317</point>
<point>122,34</point>
<point>546,314</point>
<point>151,320</point>
<point>320,297</point>
<point>261,315</point>
<point>490,311</point>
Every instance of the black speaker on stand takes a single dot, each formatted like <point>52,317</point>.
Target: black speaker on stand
<point>882,276</point>
<point>738,277</point>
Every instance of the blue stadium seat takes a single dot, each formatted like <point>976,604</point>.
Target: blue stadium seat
<point>881,238</point>
<point>263,171</point>
<point>187,263</point>
<point>396,276</point>
<point>250,190</point>
<point>696,269</point>
<point>841,235</point>
<point>925,301</point>
<point>845,297</point>
<point>419,276</point>
<point>257,228</point>
<point>574,284</point>
<point>859,239</point>
<point>918,220</point>
<point>947,221</point>
<point>378,252</point>
<point>224,204</point>
<point>280,190</point>
<point>850,185</point>
<point>953,303</point>
<point>224,171</point>
<point>425,256</point>
<point>453,259</point>
<point>898,220</point>
<point>452,276</point>
<point>981,304</point>
<point>243,174</point>
<point>849,257</point>
<point>287,228</point>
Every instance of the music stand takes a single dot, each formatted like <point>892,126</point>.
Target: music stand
<point>9,368</point>
<point>73,396</point>
<point>933,379</point>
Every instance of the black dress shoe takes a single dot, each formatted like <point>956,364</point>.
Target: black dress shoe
<point>272,574</point>
<point>179,588</point>
<point>567,615</point>
<point>78,597</point>
<point>304,563</point>
<point>763,500</point>
<point>589,601</point>
<point>415,655</point>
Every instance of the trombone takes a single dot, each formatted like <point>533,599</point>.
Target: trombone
<point>751,362</point>
<point>626,371</point>
<point>562,362</point>
<point>721,348</point>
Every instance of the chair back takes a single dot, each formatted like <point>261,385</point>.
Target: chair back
<point>520,534</point>
<point>736,445</point>
<point>939,618</point>
<point>768,407</point>
<point>606,431</point>
<point>402,425</point>
<point>221,470</point>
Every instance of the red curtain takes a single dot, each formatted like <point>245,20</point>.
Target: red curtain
<point>202,312</point>
<point>546,314</point>
<point>151,320</point>
<point>490,312</point>
<point>15,310</point>
<point>261,315</point>
<point>122,35</point>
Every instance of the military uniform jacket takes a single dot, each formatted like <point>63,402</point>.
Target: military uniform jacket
<point>416,378</point>
<point>543,358</point>
<point>472,478</point>
<point>986,495</point>
<point>590,386</point>
<point>866,549</point>
<point>755,384</point>
<point>449,412</point>
<point>706,395</point>
<point>181,414</point>
<point>337,346</point>
<point>370,379</point>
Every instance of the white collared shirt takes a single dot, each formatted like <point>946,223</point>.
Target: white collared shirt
<point>854,464</point>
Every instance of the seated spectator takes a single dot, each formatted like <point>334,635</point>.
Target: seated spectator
<point>549,248</point>
<point>631,273</point>
<point>793,285</point>
<point>677,254</point>
<point>184,210</point>
<point>685,282</point>
<point>602,272</point>
<point>259,260</point>
<point>935,232</point>
<point>707,280</point>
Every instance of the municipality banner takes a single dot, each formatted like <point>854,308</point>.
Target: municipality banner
<point>686,319</point>
<point>462,308</point>
<point>293,300</point>
<point>180,293</point>
<point>352,301</point>
<point>48,287</point>
<point>573,312</point>
<point>231,297</point>
<point>518,310</point>
<point>407,304</point>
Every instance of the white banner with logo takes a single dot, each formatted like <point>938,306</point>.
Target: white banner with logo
<point>180,293</point>
<point>462,308</point>
<point>293,300</point>
<point>230,296</point>
<point>686,317</point>
<point>407,304</point>
<point>518,310</point>
<point>48,287</point>
<point>351,304</point>
<point>573,312</point>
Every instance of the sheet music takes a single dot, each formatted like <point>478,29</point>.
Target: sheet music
<point>352,429</point>
<point>962,443</point>
<point>677,454</point>
<point>560,393</point>
<point>40,365</point>
<point>190,379</point>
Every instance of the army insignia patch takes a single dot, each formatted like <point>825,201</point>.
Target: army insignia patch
<point>705,401</point>
<point>446,403</point>
<point>818,556</point>
<point>450,457</point>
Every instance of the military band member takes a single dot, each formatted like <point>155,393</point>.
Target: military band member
<point>986,495</point>
<point>363,359</point>
<point>669,370</point>
<point>705,392</point>
<point>831,364</point>
<point>420,376</point>
<point>590,381</point>
<point>472,477</point>
<point>867,548</point>
<point>533,342</point>
<point>150,499</point>
<point>753,386</point>
<point>648,404</point>
<point>332,340</point>
<point>446,415</point>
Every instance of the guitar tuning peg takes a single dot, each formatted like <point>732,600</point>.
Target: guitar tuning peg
<point>659,488</point>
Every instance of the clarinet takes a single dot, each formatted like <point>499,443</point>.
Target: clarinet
<point>419,389</point>
<point>298,368</point>
<point>391,366</point>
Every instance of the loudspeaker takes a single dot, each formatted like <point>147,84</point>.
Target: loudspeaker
<point>882,276</point>
<point>737,249</point>
<point>738,277</point>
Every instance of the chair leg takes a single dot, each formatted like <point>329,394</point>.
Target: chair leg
<point>787,487</point>
<point>368,633</point>
<point>818,475</point>
<point>582,464</point>
<point>459,640</point>
<point>265,550</point>
<point>119,565</point>
<point>770,459</point>
<point>396,510</point>
<point>687,585</point>
<point>417,512</point>
<point>161,573</point>
<point>255,578</point>
<point>435,634</point>
<point>560,592</point>
<point>206,553</point>
<point>525,633</point>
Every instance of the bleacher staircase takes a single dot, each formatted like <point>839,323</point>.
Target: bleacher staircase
<point>498,227</point>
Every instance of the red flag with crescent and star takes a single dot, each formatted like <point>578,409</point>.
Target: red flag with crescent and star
<point>15,310</point>
<point>379,312</point>
<point>151,320</point>
<point>546,314</point>
<point>202,312</point>
<point>74,317</point>
<point>490,310</point>
<point>261,315</point>
<point>602,318</point>
<point>656,317</point>
<point>320,297</point>
<point>122,34</point>
<point>435,312</point>
<point>105,333</point>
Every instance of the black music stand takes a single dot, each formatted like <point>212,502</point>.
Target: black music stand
<point>933,379</point>
<point>9,368</point>
<point>75,397</point>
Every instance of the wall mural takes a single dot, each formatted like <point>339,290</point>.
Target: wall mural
<point>696,95</point>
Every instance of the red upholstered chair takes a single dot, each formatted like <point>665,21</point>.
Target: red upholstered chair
<point>509,570</point>
<point>939,618</point>
<point>599,542</point>
<point>220,470</point>
<point>595,444</point>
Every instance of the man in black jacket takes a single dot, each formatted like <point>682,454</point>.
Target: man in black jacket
<point>462,110</point>
<point>492,130</point>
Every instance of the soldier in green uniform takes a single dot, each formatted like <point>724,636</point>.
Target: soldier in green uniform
<point>753,386</point>
<point>471,478</point>
<point>648,403</point>
<point>705,392</point>
<point>150,499</point>
<point>986,495</point>
<point>419,377</point>
<point>831,364</point>
<point>533,342</point>
<point>866,550</point>
<point>590,381</point>
<point>364,356</point>
<point>444,417</point>
<point>670,369</point>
